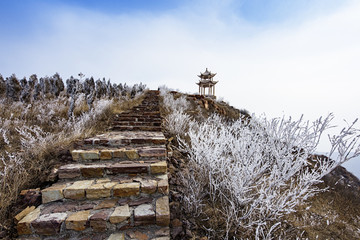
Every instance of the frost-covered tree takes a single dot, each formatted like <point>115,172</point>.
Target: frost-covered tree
<point>109,89</point>
<point>89,90</point>
<point>72,89</point>
<point>51,87</point>
<point>25,91</point>
<point>116,92</point>
<point>134,90</point>
<point>32,82</point>
<point>13,88</point>
<point>100,88</point>
<point>57,84</point>
<point>2,87</point>
<point>45,85</point>
<point>89,85</point>
<point>142,87</point>
<point>71,86</point>
<point>37,92</point>
<point>125,90</point>
<point>120,88</point>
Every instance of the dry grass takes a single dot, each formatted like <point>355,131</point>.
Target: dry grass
<point>332,214</point>
<point>31,137</point>
<point>121,106</point>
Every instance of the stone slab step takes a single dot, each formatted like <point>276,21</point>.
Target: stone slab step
<point>109,216</point>
<point>120,154</point>
<point>136,123</point>
<point>151,107</point>
<point>141,113</point>
<point>111,187</point>
<point>123,138</point>
<point>136,128</point>
<point>151,233</point>
<point>137,118</point>
<point>100,170</point>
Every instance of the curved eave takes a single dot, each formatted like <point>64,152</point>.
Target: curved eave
<point>206,76</point>
<point>207,82</point>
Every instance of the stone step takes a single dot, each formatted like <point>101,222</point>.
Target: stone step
<point>110,187</point>
<point>90,218</point>
<point>117,189</point>
<point>150,232</point>
<point>141,113</point>
<point>136,118</point>
<point>101,170</point>
<point>140,153</point>
<point>136,123</point>
<point>123,138</point>
<point>136,128</point>
<point>148,106</point>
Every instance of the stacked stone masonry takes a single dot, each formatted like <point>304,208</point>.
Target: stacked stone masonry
<point>116,187</point>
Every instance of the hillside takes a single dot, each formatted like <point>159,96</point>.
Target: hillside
<point>330,214</point>
<point>196,211</point>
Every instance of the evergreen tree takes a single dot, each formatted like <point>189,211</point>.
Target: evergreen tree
<point>25,90</point>
<point>100,89</point>
<point>57,84</point>
<point>2,87</point>
<point>13,88</point>
<point>89,90</point>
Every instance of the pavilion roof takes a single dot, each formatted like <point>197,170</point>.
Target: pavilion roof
<point>206,75</point>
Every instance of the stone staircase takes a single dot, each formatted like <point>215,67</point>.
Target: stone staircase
<point>117,187</point>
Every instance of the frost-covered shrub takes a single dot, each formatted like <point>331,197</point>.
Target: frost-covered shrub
<point>251,173</point>
<point>177,122</point>
<point>171,104</point>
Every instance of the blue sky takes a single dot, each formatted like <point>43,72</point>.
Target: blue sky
<point>19,16</point>
<point>272,56</point>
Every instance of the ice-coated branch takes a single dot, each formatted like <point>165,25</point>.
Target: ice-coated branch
<point>258,170</point>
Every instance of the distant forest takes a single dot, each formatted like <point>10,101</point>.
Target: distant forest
<point>33,89</point>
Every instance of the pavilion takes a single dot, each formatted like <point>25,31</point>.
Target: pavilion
<point>207,81</point>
